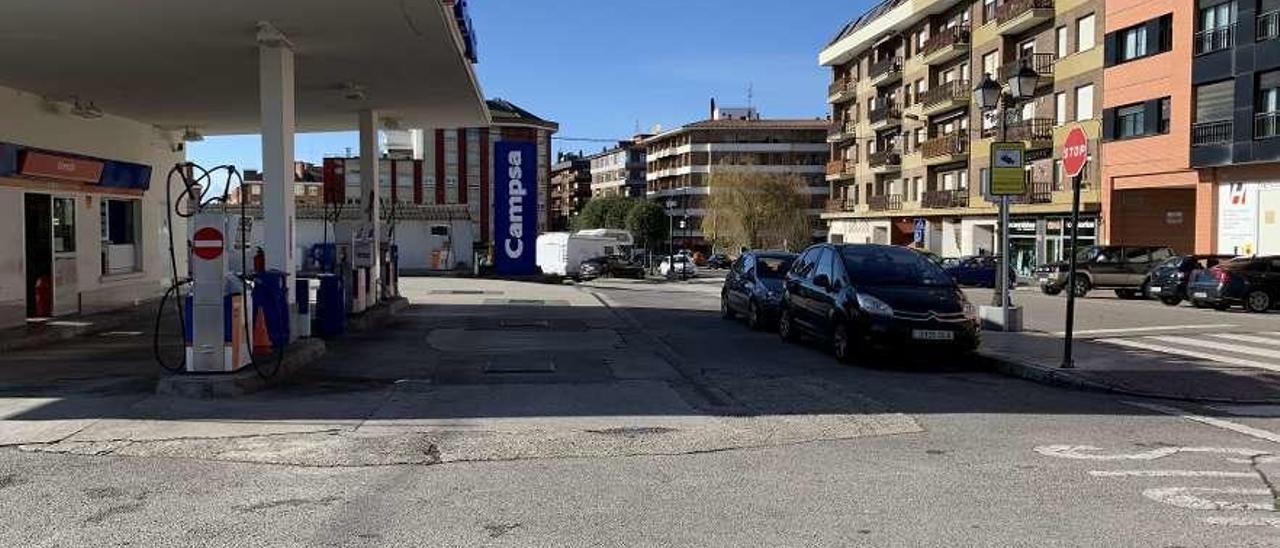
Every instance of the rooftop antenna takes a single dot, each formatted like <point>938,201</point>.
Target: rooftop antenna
<point>750,94</point>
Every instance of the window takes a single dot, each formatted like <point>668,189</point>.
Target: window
<point>1062,42</point>
<point>990,64</point>
<point>1084,33</point>
<point>1267,105</point>
<point>121,236</point>
<point>1133,43</point>
<point>1215,28</point>
<point>1164,106</point>
<point>1060,107</point>
<point>1057,175</point>
<point>1131,121</point>
<point>64,225</point>
<point>988,11</point>
<point>1214,101</point>
<point>1084,102</point>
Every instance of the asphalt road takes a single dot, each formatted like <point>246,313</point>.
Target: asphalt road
<point>995,461</point>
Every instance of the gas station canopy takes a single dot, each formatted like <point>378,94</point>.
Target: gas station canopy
<point>180,64</point>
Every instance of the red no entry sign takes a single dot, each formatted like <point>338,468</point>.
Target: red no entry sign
<point>207,243</point>
<point>1075,151</point>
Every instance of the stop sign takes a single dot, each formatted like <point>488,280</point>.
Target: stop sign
<point>1075,151</point>
<point>207,244</point>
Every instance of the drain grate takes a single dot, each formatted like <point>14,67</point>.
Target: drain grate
<point>633,431</point>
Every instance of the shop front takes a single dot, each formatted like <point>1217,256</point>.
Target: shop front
<point>1038,240</point>
<point>1249,218</point>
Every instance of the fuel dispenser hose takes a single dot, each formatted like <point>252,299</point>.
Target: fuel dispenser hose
<point>195,191</point>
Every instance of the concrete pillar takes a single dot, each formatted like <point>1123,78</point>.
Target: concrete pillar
<point>370,190</point>
<point>276,101</point>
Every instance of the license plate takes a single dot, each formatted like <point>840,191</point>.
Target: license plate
<point>932,335</point>
<point>1155,289</point>
<point>1044,280</point>
<point>1201,295</point>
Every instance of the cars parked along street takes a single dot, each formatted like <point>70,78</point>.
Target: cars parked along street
<point>1252,282</point>
<point>978,270</point>
<point>753,287</point>
<point>678,266</point>
<point>612,267</point>
<point>864,296</point>
<point>1122,268</point>
<point>1168,280</point>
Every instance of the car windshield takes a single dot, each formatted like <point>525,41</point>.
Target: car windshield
<point>879,265</point>
<point>773,267</point>
<point>1087,254</point>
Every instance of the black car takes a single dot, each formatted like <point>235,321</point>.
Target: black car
<point>866,295</point>
<point>1123,268</point>
<point>1168,280</point>
<point>614,267</point>
<point>754,286</point>
<point>1253,282</point>
<point>719,260</point>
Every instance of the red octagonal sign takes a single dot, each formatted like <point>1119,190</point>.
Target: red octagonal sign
<point>1075,151</point>
<point>207,244</point>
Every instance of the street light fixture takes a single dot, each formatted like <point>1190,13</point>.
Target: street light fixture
<point>987,93</point>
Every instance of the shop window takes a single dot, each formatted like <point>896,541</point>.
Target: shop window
<point>64,225</point>
<point>121,236</point>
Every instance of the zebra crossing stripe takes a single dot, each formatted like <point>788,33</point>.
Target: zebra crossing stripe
<point>1224,347</point>
<point>1248,338</point>
<point>1230,360</point>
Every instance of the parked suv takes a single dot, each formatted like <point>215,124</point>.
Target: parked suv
<point>1123,268</point>
<point>1253,282</point>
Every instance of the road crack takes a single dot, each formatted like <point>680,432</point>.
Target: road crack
<point>1255,463</point>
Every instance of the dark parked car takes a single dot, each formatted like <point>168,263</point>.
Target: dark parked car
<point>1253,282</point>
<point>754,286</point>
<point>613,267</point>
<point>865,295</point>
<point>979,271</point>
<point>1123,268</point>
<point>719,260</point>
<point>1168,280</point>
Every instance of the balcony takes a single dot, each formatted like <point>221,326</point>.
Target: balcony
<point>1215,39</point>
<point>885,202</point>
<point>1266,125</point>
<point>1042,63</point>
<point>841,131</point>
<point>945,148</point>
<point>945,46</point>
<point>885,160</point>
<point>945,199</point>
<point>1211,133</point>
<point>841,90</point>
<point>840,169</point>
<point>885,71</point>
<point>1015,16</point>
<point>945,97</point>
<point>889,114</point>
<point>1038,192</point>
<point>1037,132</point>
<point>1268,27</point>
<point>838,205</point>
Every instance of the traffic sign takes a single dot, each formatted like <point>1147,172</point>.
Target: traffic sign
<point>1075,151</point>
<point>207,243</point>
<point>1008,168</point>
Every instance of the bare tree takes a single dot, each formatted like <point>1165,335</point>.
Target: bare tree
<point>756,210</point>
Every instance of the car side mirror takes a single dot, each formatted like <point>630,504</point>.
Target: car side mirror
<point>821,280</point>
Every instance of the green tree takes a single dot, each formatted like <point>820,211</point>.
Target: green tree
<point>605,212</point>
<point>648,223</point>
<point>756,210</point>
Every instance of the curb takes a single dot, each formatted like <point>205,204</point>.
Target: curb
<point>1066,379</point>
<point>107,321</point>
<point>245,381</point>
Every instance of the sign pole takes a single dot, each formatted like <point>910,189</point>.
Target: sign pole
<point>1002,275</point>
<point>1067,361</point>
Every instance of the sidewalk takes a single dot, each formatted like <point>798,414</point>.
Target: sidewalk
<point>1128,370</point>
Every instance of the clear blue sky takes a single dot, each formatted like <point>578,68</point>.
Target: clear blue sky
<point>599,67</point>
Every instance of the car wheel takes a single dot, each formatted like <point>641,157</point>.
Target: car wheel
<point>1050,290</point>
<point>725,311</point>
<point>841,342</point>
<point>1128,294</point>
<point>754,319</point>
<point>1082,286</point>
<point>1258,301</point>
<point>1171,301</point>
<point>787,327</point>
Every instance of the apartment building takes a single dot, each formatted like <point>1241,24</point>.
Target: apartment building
<point>308,186</point>
<point>620,170</point>
<point>910,152</point>
<point>681,161</point>
<point>570,190</point>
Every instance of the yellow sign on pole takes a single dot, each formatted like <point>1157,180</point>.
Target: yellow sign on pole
<point>1008,168</point>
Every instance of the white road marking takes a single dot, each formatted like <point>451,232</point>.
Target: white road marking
<point>1121,330</point>
<point>1170,474</point>
<point>1243,520</point>
<point>1247,338</point>
<point>1186,497</point>
<point>1238,428</point>
<point>1231,360</point>
<point>1225,347</point>
<point>1085,452</point>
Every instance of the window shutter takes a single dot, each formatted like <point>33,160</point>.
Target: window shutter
<point>1153,36</point>
<point>1214,102</point>
<point>1109,53</point>
<point>1151,117</point>
<point>1108,124</point>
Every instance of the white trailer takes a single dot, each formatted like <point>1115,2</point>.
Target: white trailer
<point>560,253</point>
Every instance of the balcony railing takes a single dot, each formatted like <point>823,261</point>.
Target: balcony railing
<point>835,205</point>
<point>956,90</point>
<point>1208,133</point>
<point>840,86</point>
<point>1014,8</point>
<point>945,199</point>
<point>885,202</point>
<point>1042,63</point>
<point>888,65</point>
<point>1034,130</point>
<point>1038,192</point>
<point>945,145</point>
<point>1266,125</point>
<point>958,36</point>
<point>835,167</point>
<point>886,112</point>
<point>841,129</point>
<point>884,158</point>
<point>1268,27</point>
<point>1215,39</point>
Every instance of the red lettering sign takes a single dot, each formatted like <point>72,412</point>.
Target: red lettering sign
<point>1075,152</point>
<point>52,166</point>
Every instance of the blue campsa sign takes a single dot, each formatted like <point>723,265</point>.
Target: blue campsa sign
<point>515,204</point>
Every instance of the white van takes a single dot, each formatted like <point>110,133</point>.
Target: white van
<point>560,253</point>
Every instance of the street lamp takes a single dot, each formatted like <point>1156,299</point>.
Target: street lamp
<point>990,96</point>
<point>671,228</point>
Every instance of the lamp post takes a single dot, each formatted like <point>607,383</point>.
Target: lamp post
<point>671,230</point>
<point>990,96</point>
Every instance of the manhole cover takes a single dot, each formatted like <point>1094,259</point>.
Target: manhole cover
<point>519,364</point>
